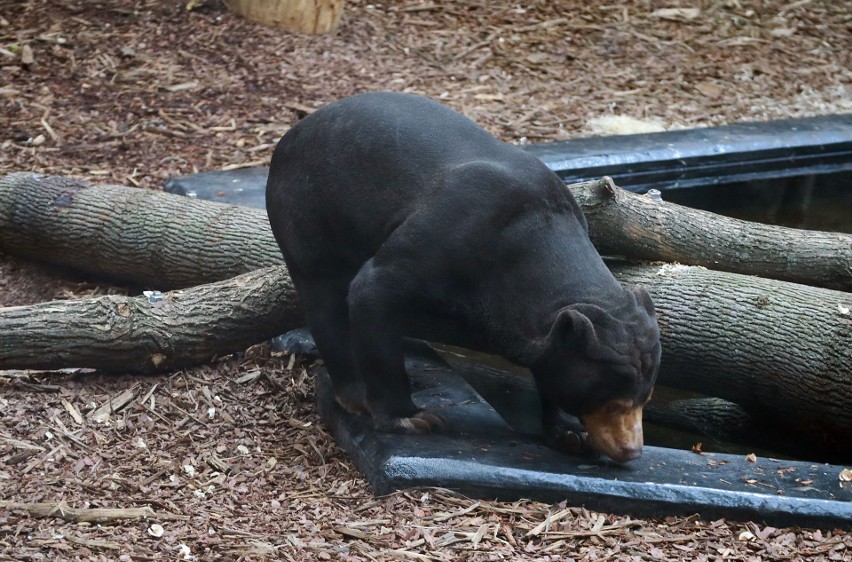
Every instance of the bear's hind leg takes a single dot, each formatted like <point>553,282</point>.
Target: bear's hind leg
<point>379,299</point>
<point>328,319</point>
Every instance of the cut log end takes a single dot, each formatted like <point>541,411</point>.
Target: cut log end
<point>306,16</point>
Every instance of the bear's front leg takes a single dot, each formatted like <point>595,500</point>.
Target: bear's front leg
<point>377,298</point>
<point>564,433</point>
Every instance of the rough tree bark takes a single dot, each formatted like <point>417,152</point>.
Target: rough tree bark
<point>711,416</point>
<point>622,223</point>
<point>723,420</point>
<point>140,236</point>
<point>146,334</point>
<point>308,16</point>
<point>781,350</point>
<point>778,349</point>
<point>165,241</point>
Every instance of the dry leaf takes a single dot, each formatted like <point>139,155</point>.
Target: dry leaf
<point>27,56</point>
<point>676,13</point>
<point>709,89</point>
<point>298,424</point>
<point>747,536</point>
<point>751,457</point>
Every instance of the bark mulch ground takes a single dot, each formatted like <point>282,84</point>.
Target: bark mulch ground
<point>228,460</point>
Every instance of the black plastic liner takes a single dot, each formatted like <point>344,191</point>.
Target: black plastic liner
<point>482,456</point>
<point>742,152</point>
<point>795,172</point>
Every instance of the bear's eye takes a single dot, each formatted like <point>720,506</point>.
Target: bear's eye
<point>613,408</point>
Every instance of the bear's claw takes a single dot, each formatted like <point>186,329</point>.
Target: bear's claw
<point>421,422</point>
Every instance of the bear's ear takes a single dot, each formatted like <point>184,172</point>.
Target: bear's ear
<point>643,298</point>
<point>571,329</point>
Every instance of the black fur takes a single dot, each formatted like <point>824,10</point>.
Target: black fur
<point>399,217</point>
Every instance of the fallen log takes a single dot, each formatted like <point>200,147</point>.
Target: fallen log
<point>140,236</point>
<point>705,416</point>
<point>167,241</point>
<point>640,227</point>
<point>780,350</point>
<point>154,332</point>
<point>719,422</point>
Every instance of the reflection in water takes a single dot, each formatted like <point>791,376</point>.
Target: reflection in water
<point>815,202</point>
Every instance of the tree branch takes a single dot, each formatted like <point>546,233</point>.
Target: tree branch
<point>92,515</point>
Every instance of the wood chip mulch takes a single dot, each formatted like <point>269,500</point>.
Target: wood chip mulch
<point>228,461</point>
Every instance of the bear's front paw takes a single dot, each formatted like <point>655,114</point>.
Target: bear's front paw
<point>572,442</point>
<point>421,422</point>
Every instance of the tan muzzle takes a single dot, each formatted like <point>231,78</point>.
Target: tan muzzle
<point>615,429</point>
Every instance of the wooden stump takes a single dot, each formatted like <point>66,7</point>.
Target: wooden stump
<point>308,16</point>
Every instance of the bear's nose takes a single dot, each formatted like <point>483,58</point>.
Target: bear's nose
<point>628,454</point>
